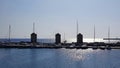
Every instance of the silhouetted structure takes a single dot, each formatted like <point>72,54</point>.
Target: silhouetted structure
<point>57,38</point>
<point>79,38</point>
<point>33,35</point>
<point>33,38</point>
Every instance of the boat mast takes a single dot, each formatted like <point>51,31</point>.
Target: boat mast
<point>94,33</point>
<point>9,33</point>
<point>64,36</point>
<point>109,34</point>
<point>64,39</point>
<point>76,29</point>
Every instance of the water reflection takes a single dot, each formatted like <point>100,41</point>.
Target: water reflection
<point>59,58</point>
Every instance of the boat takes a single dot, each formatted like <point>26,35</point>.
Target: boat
<point>108,47</point>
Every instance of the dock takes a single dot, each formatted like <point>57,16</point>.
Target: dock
<point>93,46</point>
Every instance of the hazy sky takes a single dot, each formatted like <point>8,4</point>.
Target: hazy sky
<point>53,16</point>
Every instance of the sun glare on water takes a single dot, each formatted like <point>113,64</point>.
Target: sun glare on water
<point>78,54</point>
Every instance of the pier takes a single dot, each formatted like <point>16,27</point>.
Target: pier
<point>96,45</point>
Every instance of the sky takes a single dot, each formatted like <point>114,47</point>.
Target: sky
<point>59,16</point>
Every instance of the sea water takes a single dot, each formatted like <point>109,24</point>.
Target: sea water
<point>59,58</point>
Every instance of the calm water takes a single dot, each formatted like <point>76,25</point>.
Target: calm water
<point>59,58</point>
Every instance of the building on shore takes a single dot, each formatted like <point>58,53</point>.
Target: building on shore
<point>33,38</point>
<point>57,38</point>
<point>79,38</point>
<point>33,35</point>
